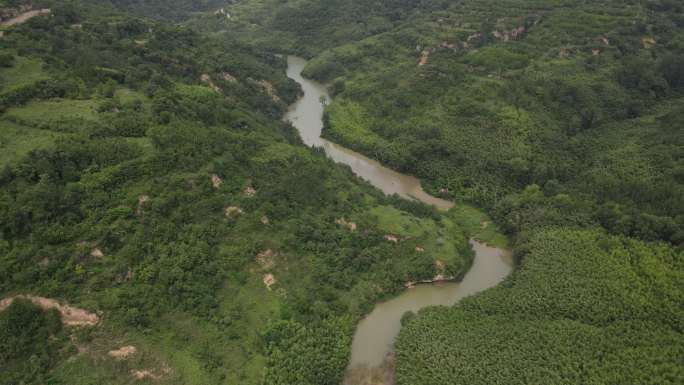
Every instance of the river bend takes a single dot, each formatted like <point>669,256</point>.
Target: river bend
<point>375,334</point>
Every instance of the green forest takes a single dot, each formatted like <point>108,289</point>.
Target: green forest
<point>148,180</point>
<point>585,308</point>
<point>562,119</point>
<point>146,176</point>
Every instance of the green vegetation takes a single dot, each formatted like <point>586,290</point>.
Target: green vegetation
<point>478,225</point>
<point>173,10</point>
<point>499,124</point>
<point>17,141</point>
<point>584,307</point>
<point>443,241</point>
<point>30,343</point>
<point>20,71</point>
<point>55,114</point>
<point>563,120</point>
<point>488,98</point>
<point>146,175</point>
<point>319,24</point>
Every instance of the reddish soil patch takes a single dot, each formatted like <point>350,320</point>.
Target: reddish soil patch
<point>269,280</point>
<point>216,181</point>
<point>265,259</point>
<point>233,211</point>
<point>343,222</point>
<point>123,352</point>
<point>424,57</point>
<point>71,316</point>
<point>229,78</point>
<point>22,18</point>
<point>152,374</point>
<point>391,238</point>
<point>270,90</point>
<point>648,42</point>
<point>249,192</point>
<point>207,79</point>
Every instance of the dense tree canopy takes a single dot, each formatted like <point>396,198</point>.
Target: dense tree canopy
<point>145,174</point>
<point>552,115</point>
<point>583,308</point>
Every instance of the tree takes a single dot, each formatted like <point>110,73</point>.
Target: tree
<point>672,68</point>
<point>6,60</point>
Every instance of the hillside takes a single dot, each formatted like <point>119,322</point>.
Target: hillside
<point>160,223</point>
<point>583,308</point>
<point>588,114</point>
<point>166,10</point>
<point>148,184</point>
<point>560,118</point>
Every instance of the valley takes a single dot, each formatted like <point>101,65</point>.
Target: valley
<point>374,336</point>
<point>319,192</point>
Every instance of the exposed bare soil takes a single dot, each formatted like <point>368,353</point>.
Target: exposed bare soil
<point>123,352</point>
<point>23,17</point>
<point>71,316</point>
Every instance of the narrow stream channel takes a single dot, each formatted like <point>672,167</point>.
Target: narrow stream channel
<point>375,334</point>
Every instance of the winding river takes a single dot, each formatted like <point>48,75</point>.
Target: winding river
<point>375,334</point>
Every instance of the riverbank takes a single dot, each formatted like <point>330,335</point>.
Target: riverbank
<point>307,117</point>
<point>375,334</point>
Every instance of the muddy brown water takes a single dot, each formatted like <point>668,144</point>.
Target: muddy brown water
<point>307,116</point>
<point>375,334</point>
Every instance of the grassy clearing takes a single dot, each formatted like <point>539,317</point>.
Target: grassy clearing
<point>126,95</point>
<point>53,114</point>
<point>277,153</point>
<point>440,239</point>
<point>17,140</point>
<point>349,123</point>
<point>144,143</point>
<point>198,351</point>
<point>93,365</point>
<point>478,225</point>
<point>25,71</point>
<point>251,306</point>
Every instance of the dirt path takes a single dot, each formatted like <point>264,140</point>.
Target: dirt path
<point>71,316</point>
<point>22,18</point>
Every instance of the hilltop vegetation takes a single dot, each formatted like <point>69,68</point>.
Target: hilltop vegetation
<point>29,342</point>
<point>584,307</point>
<point>170,10</point>
<point>319,24</point>
<point>146,176</point>
<point>563,120</point>
<point>485,99</point>
<point>587,114</point>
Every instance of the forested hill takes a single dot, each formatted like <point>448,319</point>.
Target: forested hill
<point>564,120</point>
<point>169,10</point>
<point>490,99</point>
<point>159,223</point>
<point>585,308</point>
<point>307,27</point>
